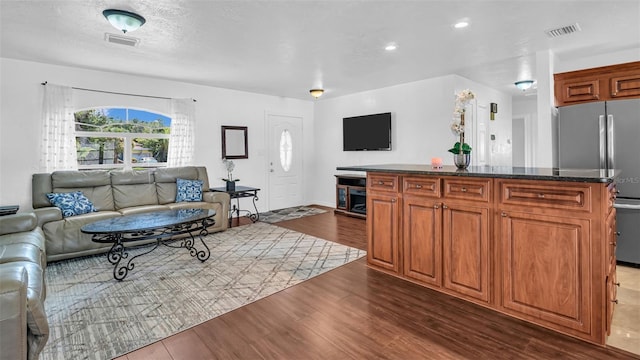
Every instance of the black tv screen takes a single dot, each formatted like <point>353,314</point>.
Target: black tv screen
<point>368,132</point>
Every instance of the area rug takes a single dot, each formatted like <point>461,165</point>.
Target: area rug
<point>93,316</point>
<point>291,213</point>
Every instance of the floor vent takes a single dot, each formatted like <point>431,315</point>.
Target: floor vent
<point>121,40</point>
<point>564,30</point>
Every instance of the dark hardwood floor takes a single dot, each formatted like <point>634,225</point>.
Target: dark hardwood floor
<point>354,312</point>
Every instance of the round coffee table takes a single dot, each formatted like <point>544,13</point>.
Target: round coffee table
<point>161,226</point>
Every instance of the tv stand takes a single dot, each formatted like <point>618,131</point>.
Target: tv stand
<point>351,195</point>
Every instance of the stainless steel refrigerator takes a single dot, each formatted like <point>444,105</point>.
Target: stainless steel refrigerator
<point>606,135</point>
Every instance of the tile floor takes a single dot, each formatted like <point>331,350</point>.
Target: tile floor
<point>625,327</point>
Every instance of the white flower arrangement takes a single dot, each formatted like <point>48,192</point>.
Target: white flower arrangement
<point>462,100</point>
<point>229,165</point>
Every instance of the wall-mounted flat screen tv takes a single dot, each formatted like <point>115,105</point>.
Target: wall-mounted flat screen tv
<point>367,132</point>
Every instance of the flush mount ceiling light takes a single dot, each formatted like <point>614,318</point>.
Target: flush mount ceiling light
<point>124,21</point>
<point>391,47</point>
<point>461,24</point>
<point>316,93</point>
<point>524,84</point>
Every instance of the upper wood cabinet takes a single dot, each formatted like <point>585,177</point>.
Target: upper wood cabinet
<point>598,84</point>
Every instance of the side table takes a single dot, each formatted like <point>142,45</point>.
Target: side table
<point>238,193</point>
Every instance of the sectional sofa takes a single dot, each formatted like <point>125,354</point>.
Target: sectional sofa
<point>29,240</point>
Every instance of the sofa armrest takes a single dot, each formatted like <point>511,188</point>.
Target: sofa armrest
<point>13,314</point>
<point>15,223</point>
<point>23,321</point>
<point>48,214</point>
<point>216,197</point>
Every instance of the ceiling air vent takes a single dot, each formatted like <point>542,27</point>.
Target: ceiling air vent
<point>121,40</point>
<point>564,30</point>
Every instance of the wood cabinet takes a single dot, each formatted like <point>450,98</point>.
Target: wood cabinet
<point>540,251</point>
<point>383,222</point>
<point>466,249</point>
<point>445,232</point>
<point>546,269</point>
<point>422,239</point>
<point>598,84</point>
<point>611,281</point>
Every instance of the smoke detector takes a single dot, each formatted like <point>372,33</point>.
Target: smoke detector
<point>563,30</point>
<point>121,39</point>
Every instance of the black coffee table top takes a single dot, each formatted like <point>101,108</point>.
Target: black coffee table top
<point>147,221</point>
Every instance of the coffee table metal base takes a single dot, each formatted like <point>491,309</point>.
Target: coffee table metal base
<point>119,256</point>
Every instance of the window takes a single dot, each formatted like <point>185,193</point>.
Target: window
<point>286,150</point>
<point>121,138</point>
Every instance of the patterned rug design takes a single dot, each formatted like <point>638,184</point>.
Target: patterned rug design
<point>93,316</point>
<point>291,213</point>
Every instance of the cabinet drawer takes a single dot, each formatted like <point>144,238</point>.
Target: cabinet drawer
<point>562,197</point>
<point>381,182</point>
<point>467,189</point>
<point>424,186</point>
<point>625,86</point>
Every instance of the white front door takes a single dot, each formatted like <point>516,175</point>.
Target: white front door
<point>285,161</point>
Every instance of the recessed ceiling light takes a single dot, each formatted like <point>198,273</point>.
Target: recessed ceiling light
<point>391,47</point>
<point>461,24</point>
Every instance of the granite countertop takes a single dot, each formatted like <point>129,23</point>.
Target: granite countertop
<point>505,172</point>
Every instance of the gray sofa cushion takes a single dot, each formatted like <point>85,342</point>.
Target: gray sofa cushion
<point>133,188</point>
<point>95,185</point>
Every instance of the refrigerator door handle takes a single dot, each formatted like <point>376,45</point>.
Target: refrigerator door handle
<point>610,143</point>
<point>603,141</point>
<point>626,206</point>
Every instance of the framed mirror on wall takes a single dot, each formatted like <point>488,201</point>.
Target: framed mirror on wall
<point>234,142</point>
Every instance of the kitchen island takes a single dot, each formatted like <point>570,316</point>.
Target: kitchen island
<point>533,243</point>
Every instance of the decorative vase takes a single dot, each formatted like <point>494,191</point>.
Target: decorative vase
<point>462,161</point>
<point>231,185</point>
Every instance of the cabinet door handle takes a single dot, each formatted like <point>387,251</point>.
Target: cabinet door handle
<point>436,206</point>
<point>393,200</point>
<point>617,284</point>
<point>617,233</point>
<point>444,206</point>
<point>418,186</point>
<point>612,244</point>
<point>464,189</point>
<point>504,214</point>
<point>380,182</point>
<point>541,196</point>
<point>614,301</point>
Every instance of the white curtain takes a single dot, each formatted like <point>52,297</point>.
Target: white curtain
<point>58,143</point>
<point>182,138</point>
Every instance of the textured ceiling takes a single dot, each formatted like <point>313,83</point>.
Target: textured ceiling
<point>285,48</point>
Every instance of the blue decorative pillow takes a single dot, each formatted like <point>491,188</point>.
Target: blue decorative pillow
<point>71,204</point>
<point>188,190</point>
